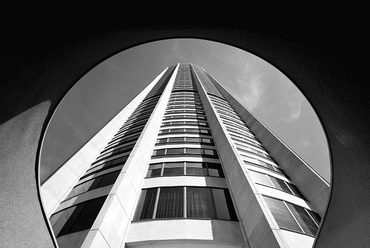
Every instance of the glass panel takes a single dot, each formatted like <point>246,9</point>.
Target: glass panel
<point>196,169</point>
<point>192,130</point>
<point>174,164</point>
<point>155,166</point>
<point>159,152</point>
<point>220,203</point>
<point>199,203</point>
<point>173,169</point>
<point>209,152</point>
<point>108,179</point>
<point>260,178</point>
<point>177,130</point>
<point>170,203</point>
<point>193,151</point>
<point>175,151</point>
<point>230,205</point>
<point>281,214</point>
<point>307,224</point>
<point>83,187</point>
<point>154,173</point>
<point>59,219</point>
<point>266,165</point>
<point>214,170</point>
<point>161,140</point>
<point>146,204</point>
<point>315,216</point>
<point>87,215</point>
<point>191,139</point>
<point>206,140</point>
<point>194,164</point>
<point>176,139</point>
<point>296,191</point>
<point>279,184</point>
<point>119,160</point>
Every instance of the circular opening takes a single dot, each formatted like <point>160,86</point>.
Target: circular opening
<point>264,90</point>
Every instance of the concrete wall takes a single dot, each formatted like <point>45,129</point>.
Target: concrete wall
<point>257,224</point>
<point>320,59</point>
<point>311,184</point>
<point>112,223</point>
<point>211,233</point>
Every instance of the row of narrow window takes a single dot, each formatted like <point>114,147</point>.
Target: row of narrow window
<point>261,164</point>
<point>185,202</point>
<point>293,217</point>
<point>287,215</point>
<point>199,140</point>
<point>185,168</point>
<point>276,183</point>
<point>185,151</point>
<point>190,123</point>
<point>185,130</point>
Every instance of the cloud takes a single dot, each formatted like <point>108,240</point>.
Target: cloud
<point>305,142</point>
<point>294,107</point>
<point>252,90</point>
<point>244,75</point>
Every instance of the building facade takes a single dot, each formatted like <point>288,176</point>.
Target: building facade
<point>185,164</point>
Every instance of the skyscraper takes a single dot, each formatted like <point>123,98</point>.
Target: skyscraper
<point>185,164</point>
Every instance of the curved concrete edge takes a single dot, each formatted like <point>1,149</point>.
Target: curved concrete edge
<point>335,90</point>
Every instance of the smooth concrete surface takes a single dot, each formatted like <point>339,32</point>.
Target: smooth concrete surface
<point>113,221</point>
<point>297,240</point>
<point>323,60</point>
<point>217,231</point>
<point>254,217</point>
<point>183,244</point>
<point>185,181</point>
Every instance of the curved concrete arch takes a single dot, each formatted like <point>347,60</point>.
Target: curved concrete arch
<point>334,87</point>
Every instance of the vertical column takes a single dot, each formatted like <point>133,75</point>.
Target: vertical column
<point>248,203</point>
<point>113,221</point>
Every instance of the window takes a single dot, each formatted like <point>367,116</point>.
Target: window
<point>199,203</point>
<point>194,151</point>
<point>185,202</point>
<point>98,182</point>
<point>176,139</point>
<point>174,151</point>
<point>184,130</point>
<point>304,219</point>
<point>281,214</point>
<point>102,165</point>
<point>185,169</point>
<point>270,181</point>
<point>170,203</point>
<point>76,218</point>
<point>259,163</point>
<point>185,152</point>
<point>261,179</point>
<point>184,140</point>
<point>173,169</point>
<point>292,217</point>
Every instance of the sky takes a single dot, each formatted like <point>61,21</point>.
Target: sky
<point>265,91</point>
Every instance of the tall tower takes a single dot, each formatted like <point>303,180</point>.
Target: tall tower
<point>185,165</point>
